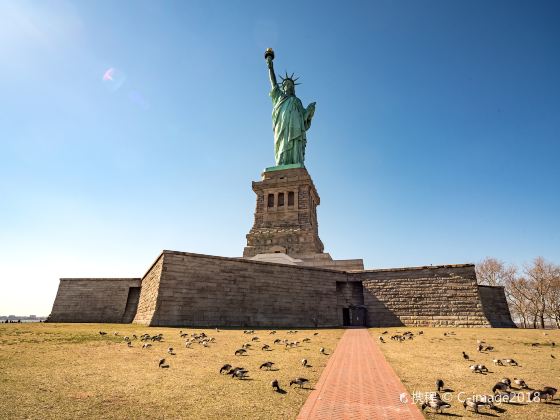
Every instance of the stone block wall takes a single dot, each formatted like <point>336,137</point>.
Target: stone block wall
<point>92,300</point>
<point>423,296</point>
<point>201,290</point>
<point>495,306</point>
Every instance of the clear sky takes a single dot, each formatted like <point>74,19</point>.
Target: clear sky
<point>128,127</point>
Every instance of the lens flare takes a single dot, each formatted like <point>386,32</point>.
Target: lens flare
<point>113,78</point>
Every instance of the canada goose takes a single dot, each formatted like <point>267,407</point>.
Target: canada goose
<point>272,332</point>
<point>299,381</point>
<point>306,340</point>
<point>520,383</point>
<point>381,339</point>
<point>420,332</point>
<point>554,357</point>
<point>487,400</point>
<point>469,403</point>
<point>316,333</point>
<point>225,368</point>
<point>240,352</point>
<point>439,384</point>
<point>500,386</point>
<point>255,339</point>
<point>497,362</point>
<point>188,344</point>
<point>115,333</point>
<point>510,362</point>
<point>304,362</point>
<point>436,404</point>
<point>146,345</point>
<point>134,336</point>
<point>267,365</point>
<point>479,347</point>
<point>322,350</point>
<point>465,356</point>
<point>265,347</point>
<point>549,391</point>
<point>162,364</point>
<point>238,373</point>
<point>275,386</point>
<point>126,338</point>
<point>246,346</point>
<point>170,351</point>
<point>129,344</point>
<point>489,348</point>
<point>478,368</point>
<point>277,341</point>
<point>102,333</point>
<point>506,381</point>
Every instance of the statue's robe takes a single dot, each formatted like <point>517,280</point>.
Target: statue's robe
<point>290,120</point>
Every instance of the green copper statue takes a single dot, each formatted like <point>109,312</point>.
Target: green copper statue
<point>290,120</point>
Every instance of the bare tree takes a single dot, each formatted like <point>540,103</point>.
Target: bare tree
<point>541,275</point>
<point>493,272</point>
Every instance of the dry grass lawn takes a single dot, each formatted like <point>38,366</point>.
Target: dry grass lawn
<point>419,362</point>
<point>70,371</point>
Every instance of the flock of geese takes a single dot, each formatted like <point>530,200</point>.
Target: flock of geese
<point>237,372</point>
<point>505,390</point>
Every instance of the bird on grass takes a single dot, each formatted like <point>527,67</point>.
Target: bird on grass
<point>465,356</point>
<point>520,383</point>
<point>549,391</point>
<point>381,339</point>
<point>146,345</point>
<point>162,364</point>
<point>275,386</point>
<point>225,368</point>
<point>170,351</point>
<point>439,384</point>
<point>299,381</point>
<point>316,333</point>
<point>436,404</point>
<point>500,386</point>
<point>479,348</point>
<point>102,333</point>
<point>473,404</point>
<point>272,332</point>
<point>240,352</point>
<point>322,350</point>
<point>510,362</point>
<point>497,362</point>
<point>239,373</point>
<point>304,362</point>
<point>267,365</point>
<point>129,344</point>
<point>265,347</point>
<point>478,368</point>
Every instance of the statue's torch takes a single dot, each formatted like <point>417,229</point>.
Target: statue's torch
<point>269,55</point>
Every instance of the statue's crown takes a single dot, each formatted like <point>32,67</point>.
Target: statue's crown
<point>289,78</point>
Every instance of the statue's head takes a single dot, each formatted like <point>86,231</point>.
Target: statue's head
<point>289,84</point>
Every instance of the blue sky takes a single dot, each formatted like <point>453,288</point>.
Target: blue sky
<point>436,137</point>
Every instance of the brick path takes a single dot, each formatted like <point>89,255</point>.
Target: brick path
<point>358,383</point>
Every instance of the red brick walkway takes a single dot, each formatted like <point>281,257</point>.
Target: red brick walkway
<point>358,383</point>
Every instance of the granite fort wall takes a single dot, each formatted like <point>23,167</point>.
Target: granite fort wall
<point>201,290</point>
<point>495,306</point>
<point>94,300</point>
<point>423,296</point>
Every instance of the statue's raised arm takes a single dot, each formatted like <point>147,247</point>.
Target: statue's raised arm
<point>290,120</point>
<point>269,56</point>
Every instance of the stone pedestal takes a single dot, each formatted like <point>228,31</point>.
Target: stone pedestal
<point>285,215</point>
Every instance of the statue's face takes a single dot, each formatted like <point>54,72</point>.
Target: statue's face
<point>289,88</point>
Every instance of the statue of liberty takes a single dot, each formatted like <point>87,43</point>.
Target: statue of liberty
<point>290,120</point>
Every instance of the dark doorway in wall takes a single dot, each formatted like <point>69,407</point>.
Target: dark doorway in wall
<point>346,317</point>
